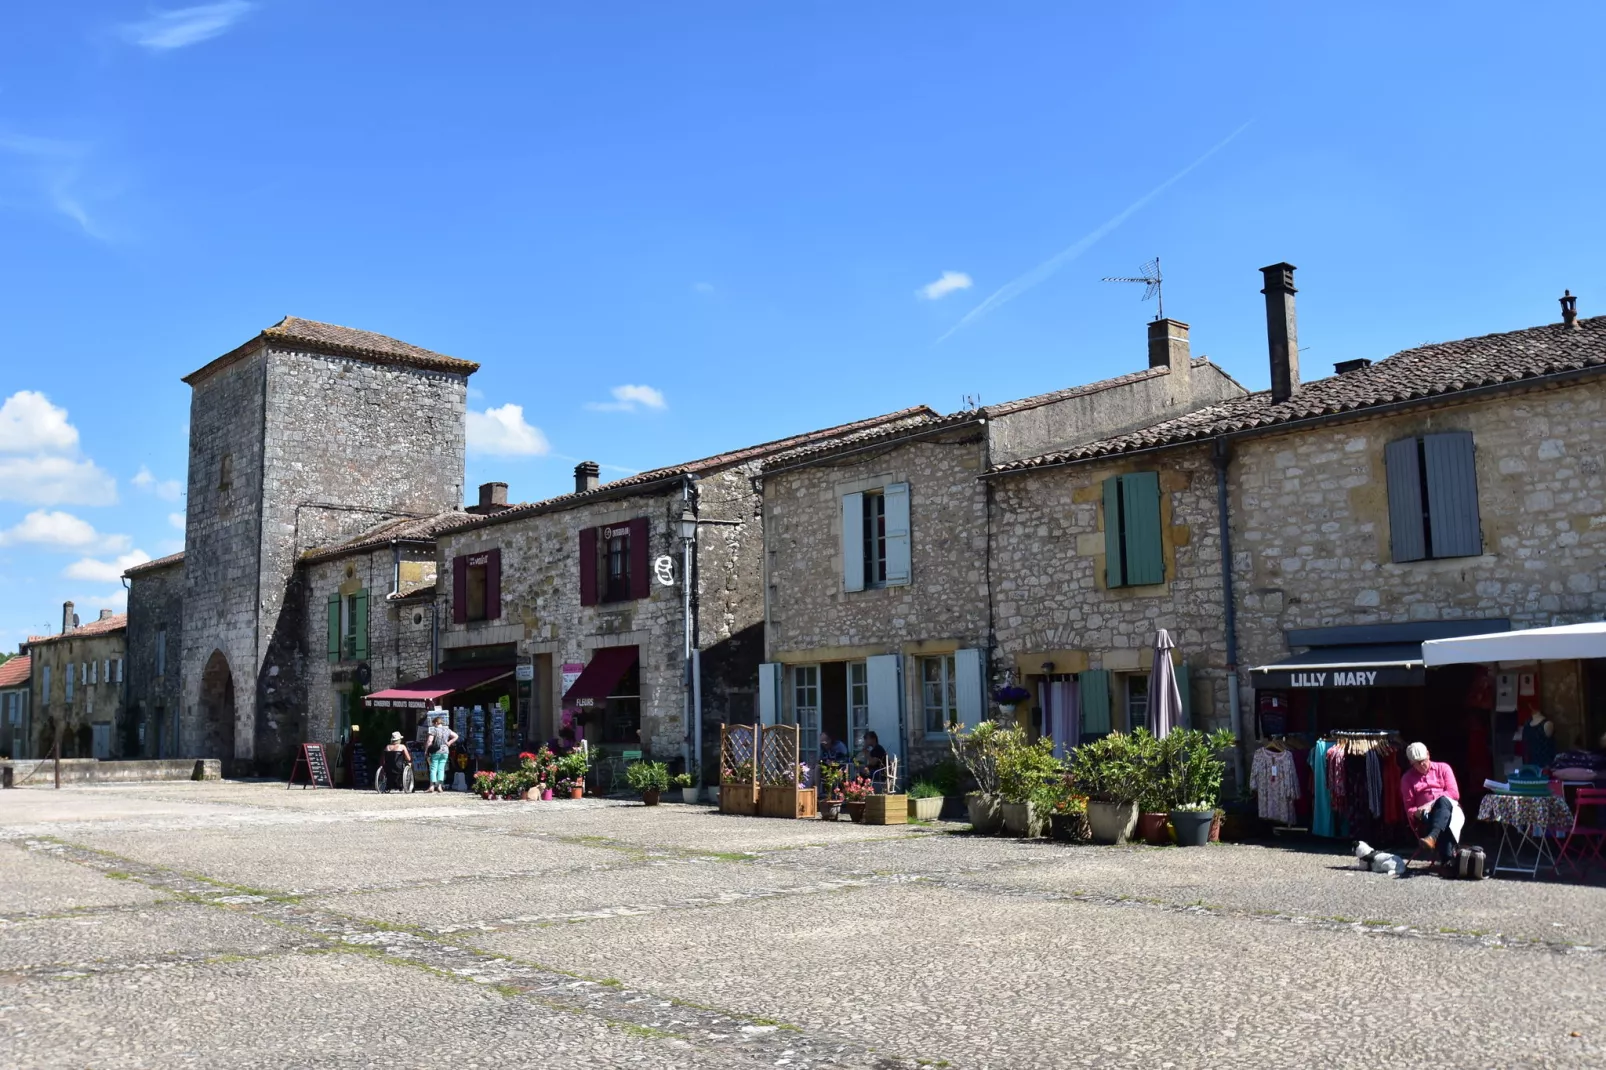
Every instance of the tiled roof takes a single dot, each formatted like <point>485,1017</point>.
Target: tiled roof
<point>14,672</point>
<point>865,439</point>
<point>100,626</point>
<point>1426,373</point>
<point>152,566</point>
<point>408,527</point>
<point>412,589</point>
<point>298,333</point>
<point>620,487</point>
<point>1007,407</point>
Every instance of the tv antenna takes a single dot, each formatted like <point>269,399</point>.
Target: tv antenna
<point>1151,280</point>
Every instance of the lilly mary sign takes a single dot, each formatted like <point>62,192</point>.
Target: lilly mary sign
<point>1274,677</point>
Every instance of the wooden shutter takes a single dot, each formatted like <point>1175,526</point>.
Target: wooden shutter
<point>1140,520</point>
<point>360,626</point>
<point>460,589</point>
<point>1406,541</point>
<point>1093,689</point>
<point>493,584</point>
<point>640,549</point>
<point>334,627</point>
<point>896,499</point>
<point>1185,689</point>
<point>884,674</point>
<point>769,692</point>
<point>970,699</point>
<point>1452,494</point>
<point>853,542</point>
<point>1114,575</point>
<point>588,566</point>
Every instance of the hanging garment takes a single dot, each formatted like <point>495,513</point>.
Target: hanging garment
<point>1393,811</point>
<point>1321,820</point>
<point>1374,783</point>
<point>1357,810</point>
<point>1275,781</point>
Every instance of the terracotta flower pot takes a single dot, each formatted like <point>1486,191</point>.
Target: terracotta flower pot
<point>650,797</point>
<point>485,795</point>
<point>1215,828</point>
<point>1152,829</point>
<point>577,793</point>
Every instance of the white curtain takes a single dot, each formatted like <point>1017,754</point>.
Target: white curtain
<point>1062,718</point>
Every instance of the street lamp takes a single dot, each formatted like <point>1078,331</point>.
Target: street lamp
<point>688,525</point>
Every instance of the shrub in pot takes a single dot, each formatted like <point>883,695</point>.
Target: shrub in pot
<point>1190,775</point>
<point>1027,772</point>
<point>1113,772</point>
<point>687,785</point>
<point>832,776</point>
<point>571,772</point>
<point>649,778</point>
<point>977,752</point>
<point>925,801</point>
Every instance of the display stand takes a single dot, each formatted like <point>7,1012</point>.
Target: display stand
<point>781,792</point>
<point>738,769</point>
<point>316,763</point>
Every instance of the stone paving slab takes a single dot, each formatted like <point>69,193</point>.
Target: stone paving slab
<point>34,884</point>
<point>131,937</point>
<point>942,974</point>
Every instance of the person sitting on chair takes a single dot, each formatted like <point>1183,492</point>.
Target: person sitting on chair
<point>1432,802</point>
<point>832,751</point>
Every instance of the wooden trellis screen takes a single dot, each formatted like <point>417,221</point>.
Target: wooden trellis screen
<point>738,768</point>
<point>781,773</point>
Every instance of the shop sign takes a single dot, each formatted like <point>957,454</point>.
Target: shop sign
<point>524,673</point>
<point>398,703</point>
<point>571,673</point>
<point>1340,678</point>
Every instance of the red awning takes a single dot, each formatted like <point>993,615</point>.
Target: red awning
<point>607,667</point>
<point>422,694</point>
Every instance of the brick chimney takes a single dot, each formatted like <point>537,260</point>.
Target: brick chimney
<point>1282,337</point>
<point>493,499</point>
<point>586,475</point>
<point>69,619</point>
<point>1569,310</point>
<point>1168,348</point>
<point>105,614</point>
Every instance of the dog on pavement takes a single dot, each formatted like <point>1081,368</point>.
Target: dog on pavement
<point>1378,861</point>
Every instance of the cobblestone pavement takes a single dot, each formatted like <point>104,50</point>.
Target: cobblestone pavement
<point>243,925</point>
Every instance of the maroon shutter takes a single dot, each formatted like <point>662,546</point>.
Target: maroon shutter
<point>460,589</point>
<point>588,566</point>
<point>640,582</point>
<point>493,585</point>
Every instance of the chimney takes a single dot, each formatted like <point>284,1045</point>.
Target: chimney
<point>1344,367</point>
<point>1282,337</point>
<point>585,476</point>
<point>1168,348</point>
<point>1569,310</point>
<point>105,613</point>
<point>493,499</point>
<point>68,618</point>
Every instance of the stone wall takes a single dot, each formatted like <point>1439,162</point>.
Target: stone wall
<point>155,606</point>
<point>100,702</point>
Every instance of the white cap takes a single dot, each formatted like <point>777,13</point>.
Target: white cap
<point>1416,752</point>
<point>395,737</point>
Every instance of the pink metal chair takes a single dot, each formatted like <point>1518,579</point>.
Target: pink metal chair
<point>1587,834</point>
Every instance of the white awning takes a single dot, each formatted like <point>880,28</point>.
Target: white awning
<point>1567,642</point>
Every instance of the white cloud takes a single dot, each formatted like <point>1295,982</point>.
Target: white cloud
<point>627,397</point>
<point>55,481</point>
<point>703,287</point>
<point>502,432</point>
<point>62,531</point>
<point>177,520</point>
<point>166,489</point>
<point>54,171</point>
<point>948,283</point>
<point>166,30</point>
<point>97,571</point>
<point>29,423</point>
<point>117,600</point>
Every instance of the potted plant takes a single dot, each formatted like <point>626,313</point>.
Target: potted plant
<point>1026,771</point>
<point>831,777</point>
<point>856,793</point>
<point>1191,772</point>
<point>1009,696</point>
<point>925,801</point>
<point>484,782</point>
<point>1113,773</point>
<point>687,786</point>
<point>738,788</point>
<point>649,778</point>
<point>571,770</point>
<point>1067,815</point>
<point>976,752</point>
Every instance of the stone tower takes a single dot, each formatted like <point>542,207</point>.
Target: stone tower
<point>307,434</point>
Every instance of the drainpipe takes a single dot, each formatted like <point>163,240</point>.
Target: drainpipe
<point>693,710</point>
<point>1220,457</point>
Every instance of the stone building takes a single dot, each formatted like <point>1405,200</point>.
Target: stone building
<point>588,592</point>
<point>155,640</point>
<point>303,437</point>
<point>16,704</point>
<point>886,589</point>
<point>78,679</point>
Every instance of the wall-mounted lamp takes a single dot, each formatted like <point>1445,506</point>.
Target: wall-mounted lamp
<point>688,525</point>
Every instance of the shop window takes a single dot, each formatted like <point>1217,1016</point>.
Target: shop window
<point>621,711</point>
<point>477,587</point>
<point>1133,554</point>
<point>1433,497</point>
<point>875,538</point>
<point>613,563</point>
<point>939,694</point>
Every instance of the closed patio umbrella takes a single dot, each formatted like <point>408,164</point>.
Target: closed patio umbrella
<point>1165,700</point>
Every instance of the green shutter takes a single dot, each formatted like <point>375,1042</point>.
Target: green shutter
<point>1184,688</point>
<point>1112,532</point>
<point>1093,691</point>
<point>1140,517</point>
<point>334,627</point>
<point>360,625</point>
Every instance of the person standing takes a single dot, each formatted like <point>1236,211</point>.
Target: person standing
<point>441,738</point>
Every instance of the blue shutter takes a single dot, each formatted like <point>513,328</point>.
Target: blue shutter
<point>896,498</point>
<point>884,680</point>
<point>360,626</point>
<point>1185,689</point>
<point>1140,516</point>
<point>1113,550</point>
<point>769,693</point>
<point>1406,542</point>
<point>1452,494</point>
<point>969,693</point>
<point>1093,692</point>
<point>853,542</point>
<point>334,627</point>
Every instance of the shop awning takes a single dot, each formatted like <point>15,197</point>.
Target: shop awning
<point>601,675</point>
<point>425,693</point>
<point>1567,642</point>
<point>1372,665</point>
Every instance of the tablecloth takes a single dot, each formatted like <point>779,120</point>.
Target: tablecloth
<point>1539,812</point>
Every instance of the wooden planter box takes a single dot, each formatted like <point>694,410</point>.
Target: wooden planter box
<point>886,810</point>
<point>738,798</point>
<point>787,802</point>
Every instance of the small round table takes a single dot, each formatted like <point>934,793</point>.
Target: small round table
<point>1526,822</point>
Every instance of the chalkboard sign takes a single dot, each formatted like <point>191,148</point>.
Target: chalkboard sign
<point>316,763</point>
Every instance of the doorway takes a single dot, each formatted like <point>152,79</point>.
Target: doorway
<point>217,708</point>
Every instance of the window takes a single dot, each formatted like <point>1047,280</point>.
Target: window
<point>1433,497</point>
<point>477,587</point>
<point>44,685</point>
<point>806,710</point>
<point>83,673</point>
<point>939,693</point>
<point>1133,555</point>
<point>1137,701</point>
<point>119,670</point>
<point>94,672</point>
<point>875,538</point>
<point>348,626</point>
<point>613,563</point>
<point>616,558</point>
<point>69,677</point>
<point>858,705</point>
<point>161,651</point>
<point>225,472</point>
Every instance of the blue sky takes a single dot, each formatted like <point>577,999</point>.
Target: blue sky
<point>670,229</point>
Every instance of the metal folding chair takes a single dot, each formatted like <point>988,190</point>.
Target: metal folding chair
<point>1586,834</point>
